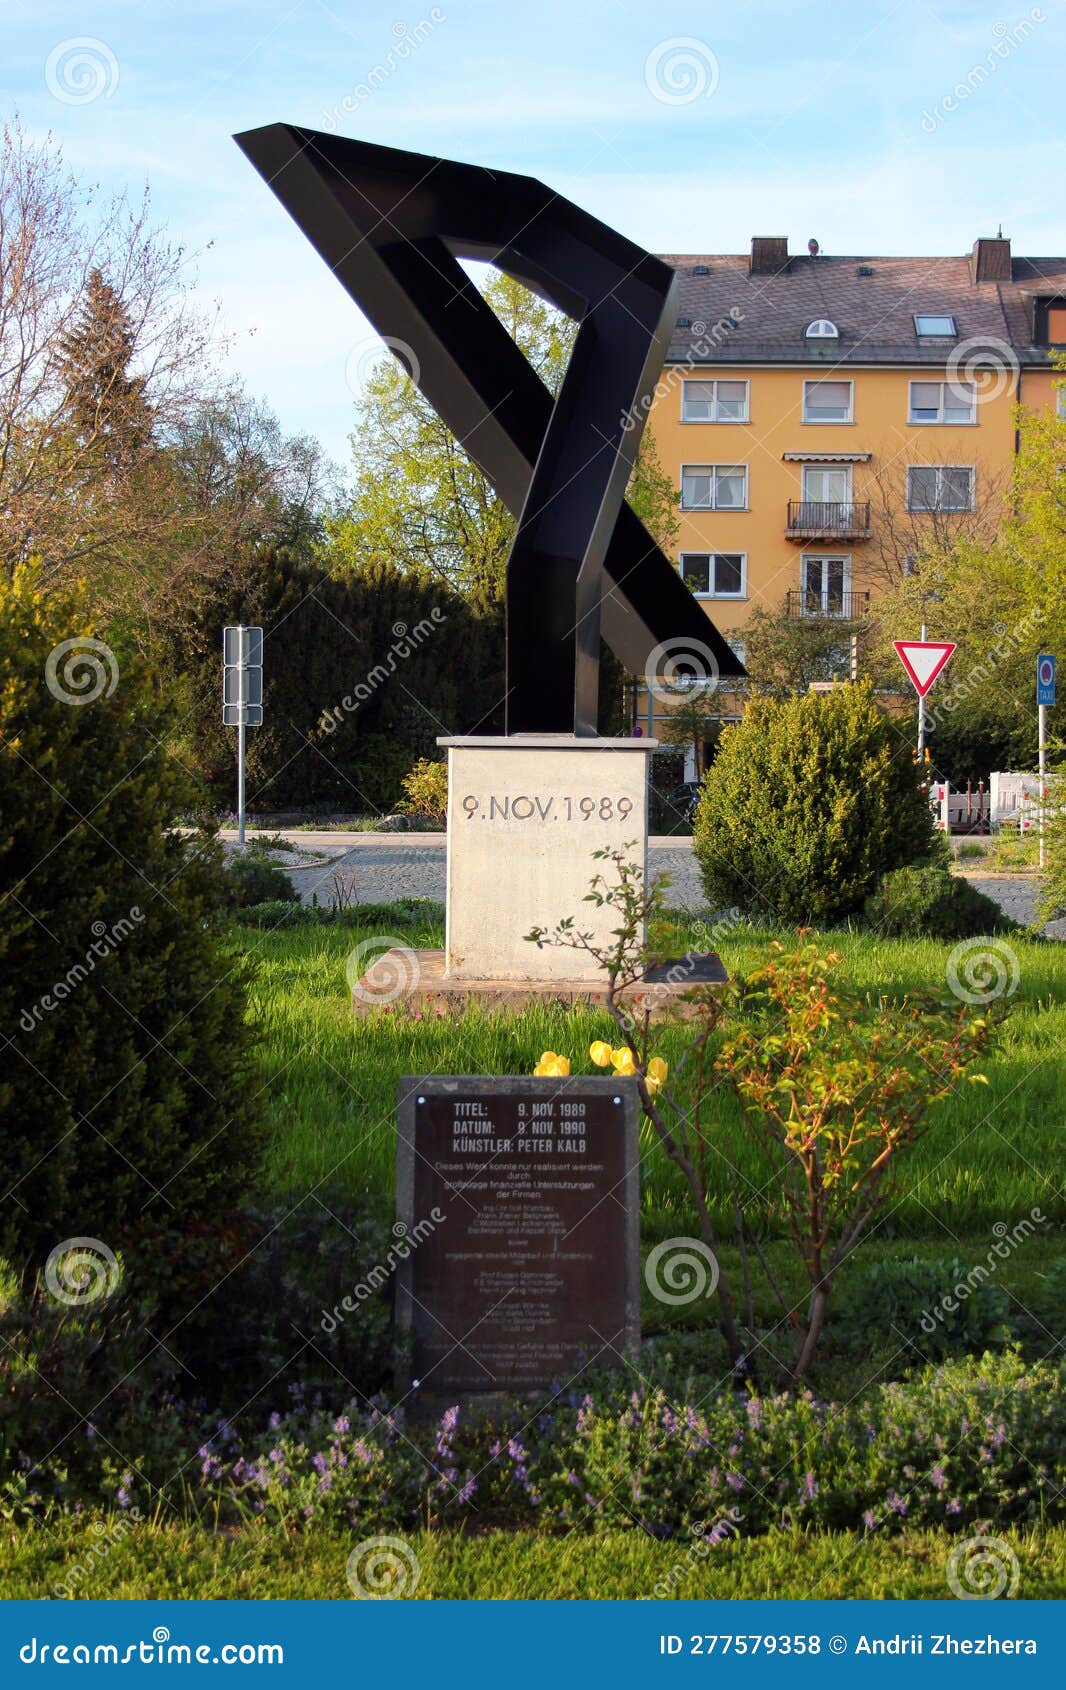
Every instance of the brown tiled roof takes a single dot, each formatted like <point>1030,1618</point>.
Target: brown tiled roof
<point>874,313</point>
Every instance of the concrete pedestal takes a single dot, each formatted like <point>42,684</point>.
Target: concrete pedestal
<point>525,814</point>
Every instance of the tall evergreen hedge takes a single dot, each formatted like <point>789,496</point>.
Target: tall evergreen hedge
<point>126,1109</point>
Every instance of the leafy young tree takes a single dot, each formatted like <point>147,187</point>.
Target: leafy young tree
<point>691,722</point>
<point>1002,600</point>
<point>98,339</point>
<point>784,654</point>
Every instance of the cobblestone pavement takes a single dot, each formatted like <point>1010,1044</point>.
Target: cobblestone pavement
<point>381,866</point>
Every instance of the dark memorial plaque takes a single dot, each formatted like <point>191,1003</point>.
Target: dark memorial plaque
<point>520,1201</point>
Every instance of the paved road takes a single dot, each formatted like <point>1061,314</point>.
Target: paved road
<point>380,866</point>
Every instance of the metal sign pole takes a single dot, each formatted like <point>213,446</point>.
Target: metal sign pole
<point>241,730</point>
<point>921,715</point>
<point>242,698</point>
<point>1045,695</point>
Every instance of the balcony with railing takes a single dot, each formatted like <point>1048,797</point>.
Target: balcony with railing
<point>831,605</point>
<point>828,519</point>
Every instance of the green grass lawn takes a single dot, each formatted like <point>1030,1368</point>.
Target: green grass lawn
<point>177,1561</point>
<point>992,1153</point>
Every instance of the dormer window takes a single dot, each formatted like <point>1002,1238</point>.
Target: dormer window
<point>933,326</point>
<point>822,329</point>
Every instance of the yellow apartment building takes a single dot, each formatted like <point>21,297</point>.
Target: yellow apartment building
<point>823,417</point>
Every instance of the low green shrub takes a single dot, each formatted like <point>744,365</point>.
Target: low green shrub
<point>398,912</point>
<point>276,1318</point>
<point>426,791</point>
<point>1042,1311</point>
<point>916,1303</point>
<point>79,1378</point>
<point>967,1442</point>
<point>254,879</point>
<point>806,805</point>
<point>927,901</point>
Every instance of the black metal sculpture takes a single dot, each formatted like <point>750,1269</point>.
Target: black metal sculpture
<point>392,226</point>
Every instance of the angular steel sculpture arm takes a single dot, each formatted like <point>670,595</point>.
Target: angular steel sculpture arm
<point>393,226</point>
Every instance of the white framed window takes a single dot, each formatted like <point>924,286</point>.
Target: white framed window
<point>828,401</point>
<point>827,484</point>
<point>714,487</point>
<point>822,329</point>
<point>942,402</point>
<point>825,582</point>
<point>714,401</point>
<point>939,487</point>
<point>715,575</point>
<point>932,323</point>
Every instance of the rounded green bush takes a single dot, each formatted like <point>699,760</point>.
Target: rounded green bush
<point>808,802</point>
<point>256,880</point>
<point>927,901</point>
<point>935,1308</point>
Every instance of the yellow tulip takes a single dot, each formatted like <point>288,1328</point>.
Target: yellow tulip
<point>657,1071</point>
<point>552,1066</point>
<point>652,1085</point>
<point>623,1060</point>
<point>601,1053</point>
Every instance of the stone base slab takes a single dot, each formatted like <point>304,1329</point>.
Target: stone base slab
<point>415,982</point>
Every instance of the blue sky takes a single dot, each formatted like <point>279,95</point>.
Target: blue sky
<point>878,126</point>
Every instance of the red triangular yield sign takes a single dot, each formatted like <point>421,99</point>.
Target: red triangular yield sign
<point>923,660</point>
